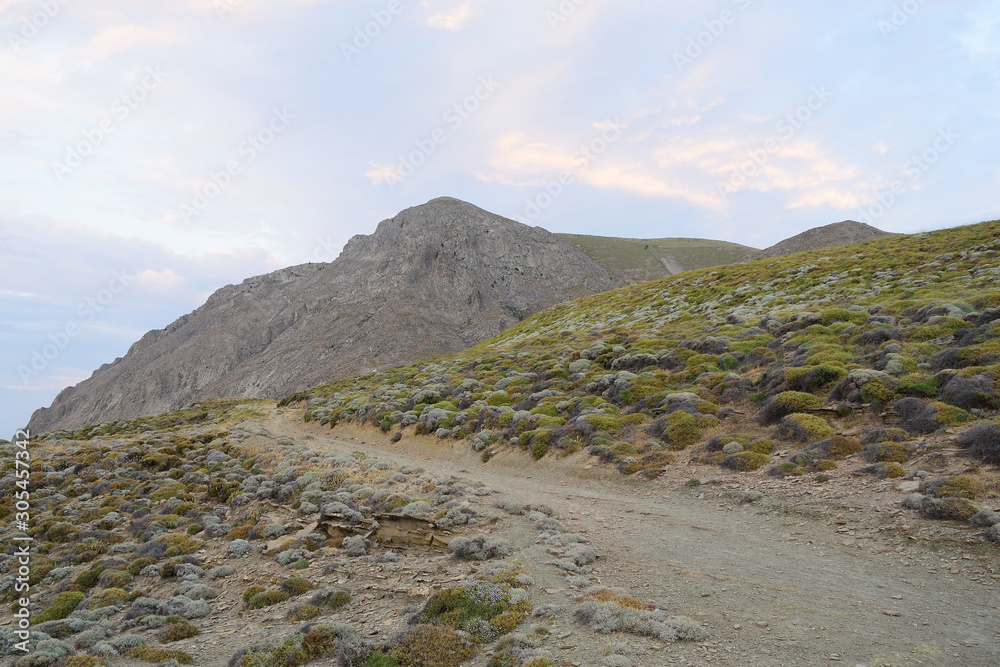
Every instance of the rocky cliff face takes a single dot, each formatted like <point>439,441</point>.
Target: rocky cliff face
<point>435,279</point>
<point>838,234</point>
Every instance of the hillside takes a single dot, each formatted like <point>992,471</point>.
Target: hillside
<point>818,238</point>
<point>640,260</point>
<point>874,353</point>
<point>772,463</point>
<point>432,280</point>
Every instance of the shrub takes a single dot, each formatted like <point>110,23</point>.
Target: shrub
<point>83,661</point>
<point>432,646</point>
<point>87,579</point>
<point>959,486</point>
<point>150,654</point>
<point>89,549</point>
<point>652,464</point>
<point>249,593</point>
<point>979,392</point>
<point>179,544</point>
<point>982,442</point>
<point>609,617</point>
<point>746,461</point>
<point>296,586</point>
<point>877,391</point>
<point>480,547</point>
<point>540,447</point>
<point>116,578</point>
<point>481,608</point>
<point>876,435</point>
<point>682,429</point>
<point>948,509</point>
<point>306,612</point>
<point>790,402</point>
<point>264,598</point>
<point>108,597</point>
<point>804,428</point>
<point>812,378</point>
<point>178,628</point>
<point>886,452</point>
<point>949,415</point>
<point>40,567</point>
<point>332,598</point>
<point>619,599</point>
<point>885,470</point>
<point>314,642</point>
<point>797,401</point>
<point>499,398</point>
<point>62,605</point>
<point>61,532</point>
<point>136,566</point>
<point>608,423</point>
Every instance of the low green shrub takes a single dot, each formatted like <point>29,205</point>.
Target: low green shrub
<point>62,605</point>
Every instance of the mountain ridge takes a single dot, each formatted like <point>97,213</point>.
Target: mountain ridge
<point>433,279</point>
<point>848,232</point>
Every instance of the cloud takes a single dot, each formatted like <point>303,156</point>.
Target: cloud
<point>452,19</point>
<point>131,37</point>
<point>160,283</point>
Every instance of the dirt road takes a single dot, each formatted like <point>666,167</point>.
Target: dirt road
<point>782,581</point>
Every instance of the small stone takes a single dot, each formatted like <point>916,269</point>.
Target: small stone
<point>892,612</point>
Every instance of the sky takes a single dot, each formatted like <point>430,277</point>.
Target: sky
<point>151,153</point>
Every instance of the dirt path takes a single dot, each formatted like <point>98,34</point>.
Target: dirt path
<point>774,581</point>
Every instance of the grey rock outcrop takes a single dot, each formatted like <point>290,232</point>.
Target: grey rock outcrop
<point>844,233</point>
<point>433,280</point>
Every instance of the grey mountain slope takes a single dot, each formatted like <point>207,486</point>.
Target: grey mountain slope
<point>844,233</point>
<point>435,279</point>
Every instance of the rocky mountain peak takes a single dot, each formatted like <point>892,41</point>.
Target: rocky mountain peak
<point>432,280</point>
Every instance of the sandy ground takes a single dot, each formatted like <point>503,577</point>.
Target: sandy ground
<point>805,576</point>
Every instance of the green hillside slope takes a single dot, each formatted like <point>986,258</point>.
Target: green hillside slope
<point>639,260</point>
<point>896,337</point>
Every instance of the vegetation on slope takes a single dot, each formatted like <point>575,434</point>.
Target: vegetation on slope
<point>639,260</point>
<point>128,518</point>
<point>895,336</point>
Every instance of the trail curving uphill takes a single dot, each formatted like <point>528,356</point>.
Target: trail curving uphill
<point>789,580</point>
